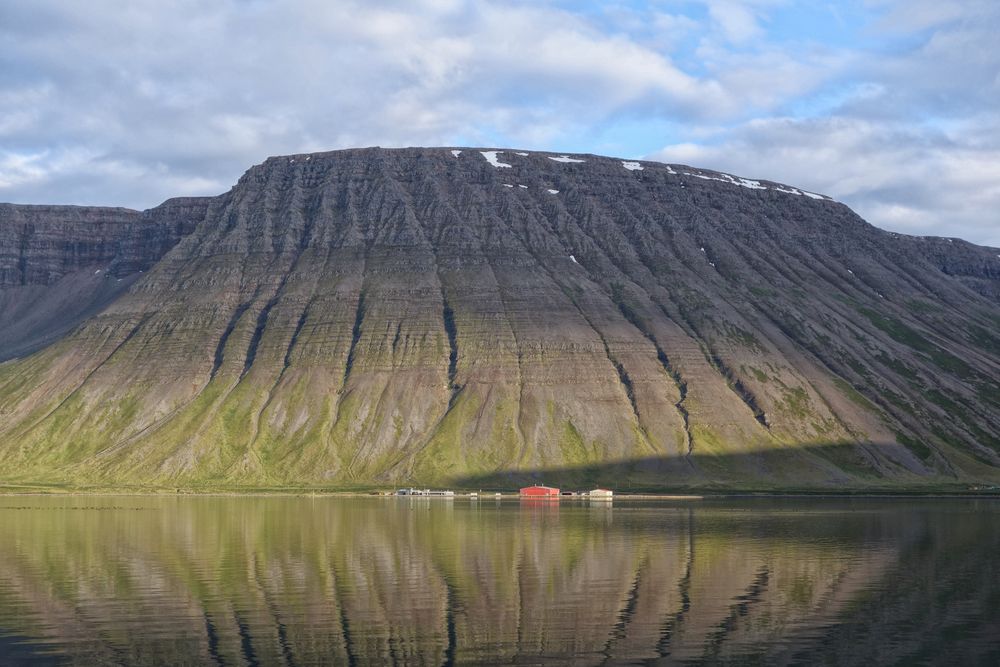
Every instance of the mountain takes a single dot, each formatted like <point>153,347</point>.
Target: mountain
<point>483,317</point>
<point>48,282</point>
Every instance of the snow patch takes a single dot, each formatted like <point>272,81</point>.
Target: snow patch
<point>803,193</point>
<point>555,192</point>
<point>632,166</point>
<point>507,185</point>
<point>732,180</point>
<point>851,272</point>
<point>574,259</point>
<point>750,183</point>
<point>521,154</point>
<point>491,157</point>
<point>97,271</point>
<point>456,153</point>
<point>522,186</point>
<point>564,159</point>
<point>712,264</point>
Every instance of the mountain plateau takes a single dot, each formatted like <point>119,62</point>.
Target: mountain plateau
<point>479,318</point>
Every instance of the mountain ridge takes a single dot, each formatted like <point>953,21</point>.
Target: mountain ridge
<point>389,315</point>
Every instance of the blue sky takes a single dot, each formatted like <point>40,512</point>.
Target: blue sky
<point>887,105</point>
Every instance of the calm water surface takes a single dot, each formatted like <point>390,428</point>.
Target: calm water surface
<point>301,581</point>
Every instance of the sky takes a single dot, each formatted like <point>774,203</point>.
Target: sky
<point>890,106</point>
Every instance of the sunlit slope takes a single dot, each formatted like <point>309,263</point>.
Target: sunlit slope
<point>376,315</point>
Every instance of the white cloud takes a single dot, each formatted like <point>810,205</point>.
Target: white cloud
<point>910,139</point>
<point>738,21</point>
<point>913,15</point>
<point>209,88</point>
<point>130,104</point>
<point>918,181</point>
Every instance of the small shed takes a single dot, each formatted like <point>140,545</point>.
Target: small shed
<point>540,492</point>
<point>601,493</point>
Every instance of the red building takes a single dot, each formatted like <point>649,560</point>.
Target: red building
<point>540,492</point>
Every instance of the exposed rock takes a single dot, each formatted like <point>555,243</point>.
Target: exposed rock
<point>372,315</point>
<point>62,264</point>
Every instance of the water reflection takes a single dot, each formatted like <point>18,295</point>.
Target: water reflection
<point>301,581</point>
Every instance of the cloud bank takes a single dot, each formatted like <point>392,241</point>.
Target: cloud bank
<point>890,106</point>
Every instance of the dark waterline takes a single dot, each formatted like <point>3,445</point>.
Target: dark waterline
<point>302,581</point>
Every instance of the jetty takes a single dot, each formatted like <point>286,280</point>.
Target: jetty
<point>426,493</point>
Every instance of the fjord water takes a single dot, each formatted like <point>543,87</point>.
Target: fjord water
<point>323,580</point>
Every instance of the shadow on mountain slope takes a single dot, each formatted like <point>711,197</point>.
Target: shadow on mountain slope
<point>820,466</point>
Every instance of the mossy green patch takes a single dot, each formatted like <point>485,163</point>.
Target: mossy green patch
<point>989,392</point>
<point>627,307</point>
<point>572,445</point>
<point>757,374</point>
<point>854,395</point>
<point>796,402</point>
<point>897,330</point>
<point>913,339</point>
<point>744,338</point>
<point>898,366</point>
<point>444,457</point>
<point>921,306</point>
<point>848,457</point>
<point>916,446</point>
<point>764,292</point>
<point>985,339</point>
<point>898,401</point>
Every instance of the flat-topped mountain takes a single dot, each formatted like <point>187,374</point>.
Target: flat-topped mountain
<point>480,317</point>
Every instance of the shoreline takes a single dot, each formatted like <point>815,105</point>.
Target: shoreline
<point>694,495</point>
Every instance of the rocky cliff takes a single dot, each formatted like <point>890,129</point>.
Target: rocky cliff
<point>476,317</point>
<point>62,264</point>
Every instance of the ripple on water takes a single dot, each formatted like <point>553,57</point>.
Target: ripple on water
<point>378,580</point>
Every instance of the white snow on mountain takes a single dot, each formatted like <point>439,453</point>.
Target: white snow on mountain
<point>491,157</point>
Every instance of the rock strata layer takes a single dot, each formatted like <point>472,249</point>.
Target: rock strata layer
<point>486,317</point>
<point>62,264</point>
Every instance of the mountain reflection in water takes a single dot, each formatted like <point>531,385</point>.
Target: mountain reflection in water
<point>299,581</point>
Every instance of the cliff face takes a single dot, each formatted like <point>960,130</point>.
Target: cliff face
<point>39,245</point>
<point>439,315</point>
<point>62,264</point>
